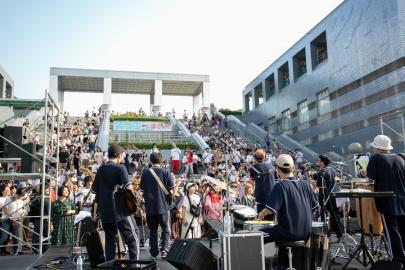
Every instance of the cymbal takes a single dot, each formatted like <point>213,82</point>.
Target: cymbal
<point>339,163</point>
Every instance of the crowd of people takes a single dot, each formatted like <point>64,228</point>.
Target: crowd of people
<point>181,195</point>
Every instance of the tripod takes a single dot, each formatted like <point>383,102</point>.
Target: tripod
<point>346,237</point>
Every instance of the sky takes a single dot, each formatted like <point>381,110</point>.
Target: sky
<point>230,40</point>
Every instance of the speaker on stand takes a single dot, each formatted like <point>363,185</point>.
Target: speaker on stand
<point>28,163</point>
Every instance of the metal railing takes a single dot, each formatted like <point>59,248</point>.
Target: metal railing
<point>51,113</point>
<point>393,116</point>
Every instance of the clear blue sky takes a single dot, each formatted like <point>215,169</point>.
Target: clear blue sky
<point>232,41</point>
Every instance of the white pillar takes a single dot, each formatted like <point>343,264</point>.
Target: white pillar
<point>157,97</point>
<point>197,99</point>
<point>205,98</point>
<point>56,94</point>
<point>107,90</point>
<point>3,88</point>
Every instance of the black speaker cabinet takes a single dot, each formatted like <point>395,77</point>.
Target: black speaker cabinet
<point>190,254</point>
<point>17,135</point>
<point>247,250</point>
<point>28,163</point>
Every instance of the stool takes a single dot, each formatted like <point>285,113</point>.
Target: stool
<point>289,246</point>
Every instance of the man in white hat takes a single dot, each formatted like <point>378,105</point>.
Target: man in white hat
<point>387,170</point>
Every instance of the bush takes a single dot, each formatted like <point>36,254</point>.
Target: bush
<point>225,111</point>
<point>161,146</point>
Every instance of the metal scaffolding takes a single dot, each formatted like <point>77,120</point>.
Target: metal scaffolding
<point>48,175</point>
<point>391,116</point>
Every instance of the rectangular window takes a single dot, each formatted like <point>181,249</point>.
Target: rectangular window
<point>299,64</point>
<point>286,120</point>
<point>319,50</point>
<point>303,114</point>
<point>323,102</point>
<point>283,76</point>
<point>269,85</point>
<point>272,125</point>
<point>258,94</point>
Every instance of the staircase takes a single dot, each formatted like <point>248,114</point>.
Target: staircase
<point>256,135</point>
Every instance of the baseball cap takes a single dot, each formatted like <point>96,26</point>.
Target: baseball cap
<point>284,161</point>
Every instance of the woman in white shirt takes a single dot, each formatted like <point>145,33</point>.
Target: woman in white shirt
<point>190,206</point>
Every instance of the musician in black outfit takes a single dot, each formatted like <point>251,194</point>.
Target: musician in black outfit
<point>157,205</point>
<point>264,179</point>
<point>326,183</point>
<point>108,177</point>
<point>388,173</point>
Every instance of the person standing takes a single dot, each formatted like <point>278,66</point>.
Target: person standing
<point>110,176</point>
<point>263,176</point>
<point>157,204</point>
<point>387,170</point>
<point>326,183</point>
<point>175,156</point>
<point>190,206</point>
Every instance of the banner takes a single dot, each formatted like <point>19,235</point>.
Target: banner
<point>141,126</point>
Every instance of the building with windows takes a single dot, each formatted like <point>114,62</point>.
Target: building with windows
<point>342,82</point>
<point>6,84</point>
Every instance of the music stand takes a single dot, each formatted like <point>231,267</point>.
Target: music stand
<point>362,246</point>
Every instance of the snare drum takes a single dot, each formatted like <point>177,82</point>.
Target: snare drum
<point>256,225</point>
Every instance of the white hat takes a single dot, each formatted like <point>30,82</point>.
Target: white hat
<point>382,142</point>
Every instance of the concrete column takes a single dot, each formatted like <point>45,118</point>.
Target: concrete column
<point>253,99</point>
<point>157,98</point>
<point>107,90</point>
<point>206,98</point>
<point>197,99</point>
<point>2,87</point>
<point>56,94</point>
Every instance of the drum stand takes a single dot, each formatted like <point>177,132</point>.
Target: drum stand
<point>346,237</point>
<point>362,246</point>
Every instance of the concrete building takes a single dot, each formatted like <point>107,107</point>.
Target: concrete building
<point>342,82</point>
<point>6,84</point>
<point>129,82</point>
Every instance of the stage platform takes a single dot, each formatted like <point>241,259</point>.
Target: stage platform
<point>31,262</point>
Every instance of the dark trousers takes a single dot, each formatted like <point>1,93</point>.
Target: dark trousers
<point>396,231</point>
<point>154,221</point>
<point>129,233</point>
<point>35,236</point>
<point>333,211</point>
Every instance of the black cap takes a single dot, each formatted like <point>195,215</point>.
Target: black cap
<point>325,159</point>
<point>114,150</point>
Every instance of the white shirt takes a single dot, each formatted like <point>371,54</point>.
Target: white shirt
<point>15,209</point>
<point>84,191</point>
<point>249,158</point>
<point>175,153</point>
<point>2,203</point>
<point>207,157</point>
<point>92,138</point>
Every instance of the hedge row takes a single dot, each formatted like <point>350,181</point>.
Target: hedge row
<point>230,112</point>
<point>161,146</point>
<point>138,118</point>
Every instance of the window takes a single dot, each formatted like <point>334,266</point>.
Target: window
<point>258,94</point>
<point>299,64</point>
<point>286,120</point>
<point>283,76</point>
<point>272,125</point>
<point>319,50</point>
<point>303,115</point>
<point>270,87</point>
<point>248,102</point>
<point>323,102</point>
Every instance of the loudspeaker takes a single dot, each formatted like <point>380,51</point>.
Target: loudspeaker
<point>17,135</point>
<point>190,254</point>
<point>212,227</point>
<point>28,163</point>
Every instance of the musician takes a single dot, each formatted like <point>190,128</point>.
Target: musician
<point>326,183</point>
<point>86,198</point>
<point>108,177</point>
<point>388,173</point>
<point>264,179</point>
<point>292,200</point>
<point>157,204</point>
